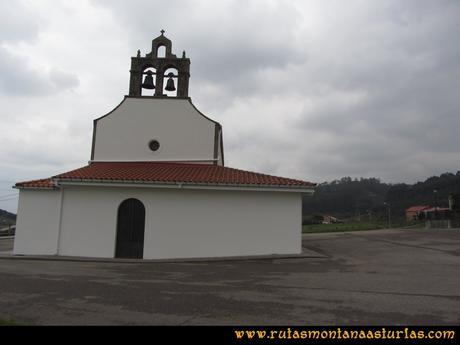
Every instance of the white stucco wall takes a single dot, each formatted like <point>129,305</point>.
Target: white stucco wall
<point>223,223</point>
<point>37,222</point>
<point>183,133</point>
<point>183,223</point>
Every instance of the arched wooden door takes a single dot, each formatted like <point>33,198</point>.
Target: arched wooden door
<point>130,229</point>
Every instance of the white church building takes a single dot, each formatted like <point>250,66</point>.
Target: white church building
<point>156,186</point>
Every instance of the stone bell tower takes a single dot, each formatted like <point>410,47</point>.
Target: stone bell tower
<point>141,68</point>
<point>158,127</point>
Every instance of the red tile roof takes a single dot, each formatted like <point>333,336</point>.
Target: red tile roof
<point>167,173</point>
<point>417,208</point>
<point>154,172</point>
<point>46,183</point>
<point>436,209</point>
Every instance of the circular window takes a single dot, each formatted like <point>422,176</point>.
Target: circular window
<point>154,145</point>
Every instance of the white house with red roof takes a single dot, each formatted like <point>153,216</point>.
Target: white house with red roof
<point>414,212</point>
<point>156,186</point>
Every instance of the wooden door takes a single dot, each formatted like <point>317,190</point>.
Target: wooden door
<point>130,229</point>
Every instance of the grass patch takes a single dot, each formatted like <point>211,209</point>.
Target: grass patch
<point>7,322</point>
<point>361,226</point>
<point>354,226</point>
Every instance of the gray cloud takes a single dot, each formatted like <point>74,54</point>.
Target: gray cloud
<point>309,89</point>
<point>17,79</point>
<point>17,22</point>
<point>63,80</point>
<point>230,43</point>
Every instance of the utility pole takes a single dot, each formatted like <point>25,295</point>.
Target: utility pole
<point>435,194</point>
<point>387,204</point>
<point>389,217</point>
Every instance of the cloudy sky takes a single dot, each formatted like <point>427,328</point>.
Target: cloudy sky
<point>314,90</point>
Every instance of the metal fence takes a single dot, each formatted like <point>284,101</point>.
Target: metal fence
<point>442,224</point>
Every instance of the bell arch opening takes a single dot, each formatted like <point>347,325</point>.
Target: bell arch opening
<point>161,51</point>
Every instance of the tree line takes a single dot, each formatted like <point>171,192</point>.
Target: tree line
<point>367,198</point>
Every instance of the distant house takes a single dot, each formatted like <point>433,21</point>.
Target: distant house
<point>436,213</point>
<point>415,212</point>
<point>328,219</point>
<point>427,212</point>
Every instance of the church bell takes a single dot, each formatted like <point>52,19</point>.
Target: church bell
<point>148,81</point>
<point>170,83</point>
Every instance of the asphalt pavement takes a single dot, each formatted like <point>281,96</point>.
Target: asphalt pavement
<point>387,277</point>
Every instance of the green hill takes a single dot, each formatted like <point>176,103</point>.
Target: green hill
<point>6,218</point>
<point>368,198</point>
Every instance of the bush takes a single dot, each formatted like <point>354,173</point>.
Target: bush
<point>313,219</point>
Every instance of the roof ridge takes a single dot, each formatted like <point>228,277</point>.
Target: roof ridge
<point>153,162</point>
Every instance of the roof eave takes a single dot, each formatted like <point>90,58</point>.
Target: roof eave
<point>35,187</point>
<point>183,185</point>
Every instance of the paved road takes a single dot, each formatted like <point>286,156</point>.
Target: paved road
<point>6,244</point>
<point>374,277</point>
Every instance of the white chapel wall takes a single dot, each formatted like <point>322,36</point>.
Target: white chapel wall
<point>183,133</point>
<point>89,218</point>
<point>37,222</point>
<point>184,223</point>
<point>203,223</point>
